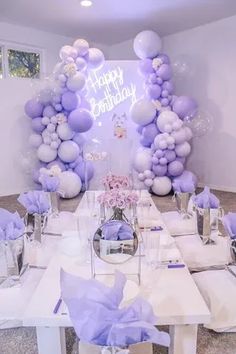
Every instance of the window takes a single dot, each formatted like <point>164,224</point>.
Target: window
<point>1,64</point>
<point>20,62</point>
<point>23,64</point>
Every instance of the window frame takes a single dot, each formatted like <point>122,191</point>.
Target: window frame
<point>23,48</point>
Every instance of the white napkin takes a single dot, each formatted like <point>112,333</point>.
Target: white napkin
<point>196,255</point>
<point>178,226</point>
<point>218,288</point>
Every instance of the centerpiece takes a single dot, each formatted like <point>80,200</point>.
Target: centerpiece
<point>120,202</point>
<point>111,181</point>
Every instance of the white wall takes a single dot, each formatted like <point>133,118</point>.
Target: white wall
<point>210,53</point>
<point>13,94</point>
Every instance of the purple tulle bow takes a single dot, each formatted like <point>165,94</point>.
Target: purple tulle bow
<point>229,222</point>
<point>11,225</point>
<point>186,183</point>
<point>49,183</point>
<point>35,202</point>
<point>97,318</point>
<point>117,230</point>
<point>206,199</point>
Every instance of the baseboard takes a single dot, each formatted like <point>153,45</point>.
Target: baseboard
<point>218,188</point>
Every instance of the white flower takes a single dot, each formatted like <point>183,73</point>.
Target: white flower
<point>70,69</point>
<point>55,170</point>
<point>156,63</point>
<point>158,105</point>
<point>61,118</point>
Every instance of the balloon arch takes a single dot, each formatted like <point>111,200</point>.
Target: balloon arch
<point>60,114</point>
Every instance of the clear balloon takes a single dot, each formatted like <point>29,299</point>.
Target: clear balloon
<point>201,124</point>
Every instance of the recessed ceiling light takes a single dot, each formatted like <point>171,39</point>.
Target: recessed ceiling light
<point>86,3</point>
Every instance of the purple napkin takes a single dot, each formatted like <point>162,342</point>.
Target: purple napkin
<point>35,202</point>
<point>49,183</point>
<point>97,318</point>
<point>229,222</point>
<point>117,230</point>
<point>186,183</point>
<point>206,199</point>
<point>11,225</point>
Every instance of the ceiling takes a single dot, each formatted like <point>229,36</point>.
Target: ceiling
<point>112,21</point>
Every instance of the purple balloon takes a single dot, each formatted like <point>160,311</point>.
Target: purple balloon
<point>164,72</point>
<point>140,129</point>
<point>33,108</point>
<point>150,131</point>
<point>85,170</point>
<point>188,175</point>
<point>170,155</point>
<point>152,78</point>
<point>79,139</point>
<point>181,159</point>
<point>159,170</point>
<point>80,120</point>
<point>175,168</point>
<point>185,106</point>
<point>159,81</point>
<point>164,102</point>
<point>145,142</point>
<point>145,66</point>
<point>49,111</point>
<point>69,101</point>
<point>165,59</point>
<point>168,86</point>
<point>153,91</point>
<point>37,125</point>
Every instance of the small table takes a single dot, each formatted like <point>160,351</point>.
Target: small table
<point>172,293</point>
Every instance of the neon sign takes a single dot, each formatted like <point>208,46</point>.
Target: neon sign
<point>110,89</point>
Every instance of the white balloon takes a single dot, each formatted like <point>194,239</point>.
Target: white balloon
<point>35,140</point>
<point>46,154</point>
<point>70,184</point>
<point>161,185</point>
<point>64,131</point>
<point>188,133</point>
<point>179,136</point>
<point>183,150</point>
<point>148,182</point>
<point>68,151</point>
<point>76,82</point>
<point>143,111</point>
<point>166,117</point>
<point>142,161</point>
<point>95,58</point>
<point>68,51</point>
<point>82,46</point>
<point>147,44</point>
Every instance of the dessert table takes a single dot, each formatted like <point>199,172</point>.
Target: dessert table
<point>175,299</point>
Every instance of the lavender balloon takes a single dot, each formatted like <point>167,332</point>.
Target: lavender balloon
<point>37,125</point>
<point>33,108</point>
<point>80,120</point>
<point>85,170</point>
<point>145,66</point>
<point>185,107</point>
<point>69,101</point>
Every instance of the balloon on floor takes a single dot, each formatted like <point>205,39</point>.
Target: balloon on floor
<point>161,118</point>
<point>60,114</point>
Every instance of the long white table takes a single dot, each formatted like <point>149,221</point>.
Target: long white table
<point>173,294</point>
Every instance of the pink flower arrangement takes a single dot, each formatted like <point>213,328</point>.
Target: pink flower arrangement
<point>117,198</point>
<point>116,182</point>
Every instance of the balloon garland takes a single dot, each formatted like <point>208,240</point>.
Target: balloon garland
<point>61,114</point>
<point>161,118</point>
